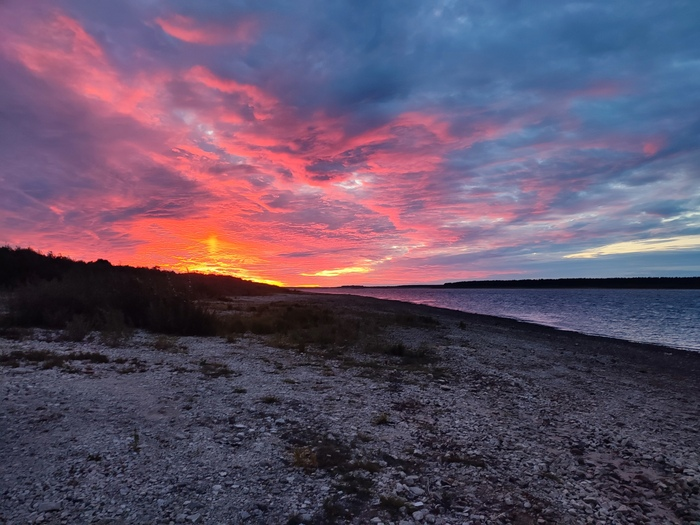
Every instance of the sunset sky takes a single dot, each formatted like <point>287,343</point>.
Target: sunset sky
<point>328,142</point>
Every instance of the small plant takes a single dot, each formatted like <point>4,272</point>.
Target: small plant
<point>94,457</point>
<point>168,344</point>
<point>462,325</point>
<point>304,457</point>
<point>397,349</point>
<point>269,400</point>
<point>135,442</point>
<point>381,419</point>
<point>240,390</point>
<point>15,333</point>
<point>115,331</point>
<point>392,503</point>
<point>76,329</point>
<point>213,370</point>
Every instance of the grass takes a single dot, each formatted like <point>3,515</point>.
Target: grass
<point>381,419</point>
<point>304,457</point>
<point>164,343</point>
<point>49,359</point>
<point>392,503</point>
<point>214,370</point>
<point>109,301</point>
<point>307,326</point>
<point>135,445</point>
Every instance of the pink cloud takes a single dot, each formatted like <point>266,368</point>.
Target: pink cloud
<point>241,31</point>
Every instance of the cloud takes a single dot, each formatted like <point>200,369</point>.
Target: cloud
<point>425,141</point>
<point>190,31</point>
<point>686,242</point>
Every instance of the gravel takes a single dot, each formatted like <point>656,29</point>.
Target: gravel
<point>511,423</point>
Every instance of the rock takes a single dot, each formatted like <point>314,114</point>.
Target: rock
<point>418,515</point>
<point>417,491</point>
<point>48,506</point>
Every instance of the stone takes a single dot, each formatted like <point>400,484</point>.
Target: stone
<point>48,506</point>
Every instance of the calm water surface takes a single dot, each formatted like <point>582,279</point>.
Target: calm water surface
<point>667,317</point>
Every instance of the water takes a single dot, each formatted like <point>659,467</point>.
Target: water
<point>666,317</point>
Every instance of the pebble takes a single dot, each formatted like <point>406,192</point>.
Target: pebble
<point>512,435</point>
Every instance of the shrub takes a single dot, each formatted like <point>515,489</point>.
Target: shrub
<point>304,457</point>
<point>381,419</point>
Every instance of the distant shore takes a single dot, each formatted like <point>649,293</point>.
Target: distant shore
<point>357,410</point>
<point>613,283</point>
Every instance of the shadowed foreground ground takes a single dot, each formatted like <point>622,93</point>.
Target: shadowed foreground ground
<point>347,410</point>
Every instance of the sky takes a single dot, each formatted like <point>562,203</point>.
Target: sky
<point>329,142</point>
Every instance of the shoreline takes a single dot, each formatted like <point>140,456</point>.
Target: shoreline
<point>441,417</point>
<point>534,323</point>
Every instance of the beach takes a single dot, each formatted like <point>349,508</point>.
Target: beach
<point>436,417</point>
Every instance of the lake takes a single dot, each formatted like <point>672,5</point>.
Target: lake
<point>666,317</point>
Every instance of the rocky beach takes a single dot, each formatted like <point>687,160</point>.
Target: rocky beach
<point>422,416</point>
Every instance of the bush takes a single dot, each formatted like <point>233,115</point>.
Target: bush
<point>111,302</point>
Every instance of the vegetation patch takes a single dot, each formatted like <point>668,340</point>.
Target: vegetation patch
<point>48,359</point>
<point>214,370</point>
<point>164,343</point>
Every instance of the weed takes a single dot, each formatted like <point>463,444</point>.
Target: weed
<point>392,503</point>
<point>304,457</point>
<point>76,329</point>
<point>135,442</point>
<point>50,359</point>
<point>135,365</point>
<point>381,419</point>
<point>115,331</point>
<point>168,344</point>
<point>357,484</point>
<point>369,466</point>
<point>93,357</point>
<point>213,370</point>
<point>16,333</point>
<point>240,390</point>
<point>94,457</point>
<point>269,400</point>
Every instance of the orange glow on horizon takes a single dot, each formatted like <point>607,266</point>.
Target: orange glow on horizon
<point>183,148</point>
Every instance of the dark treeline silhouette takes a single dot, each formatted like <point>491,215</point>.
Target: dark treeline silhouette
<point>56,292</point>
<point>673,283</point>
